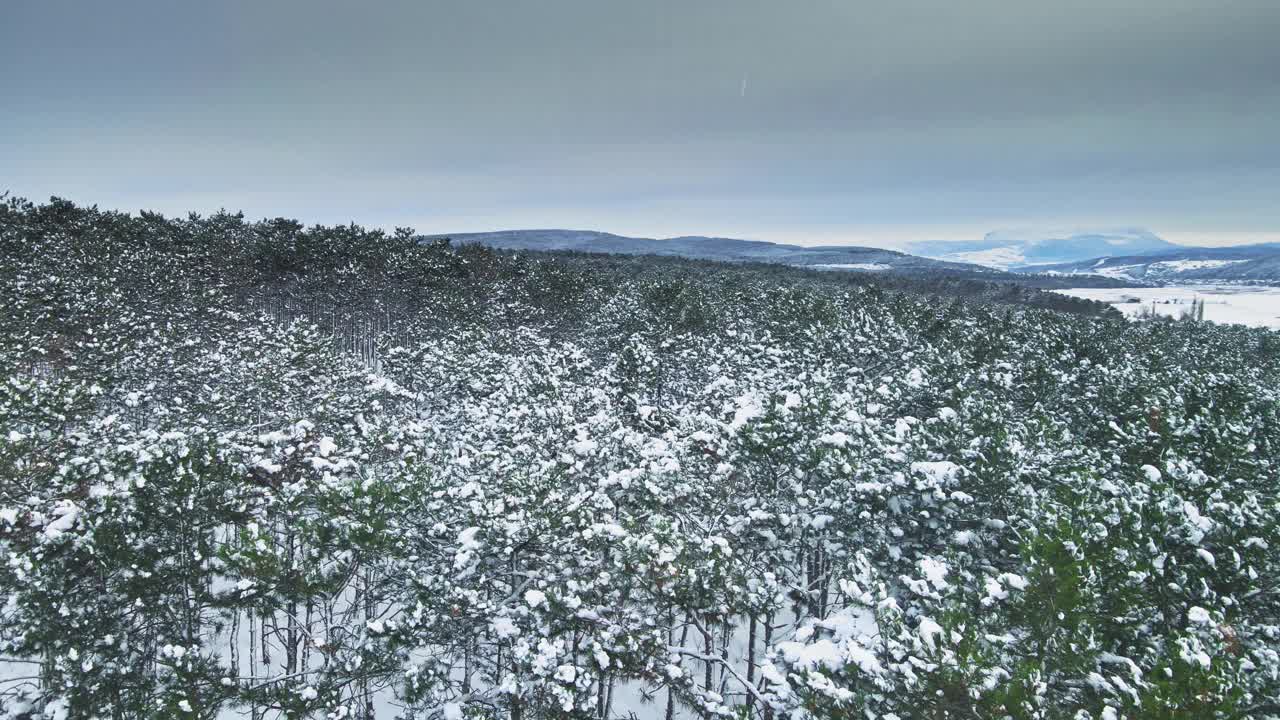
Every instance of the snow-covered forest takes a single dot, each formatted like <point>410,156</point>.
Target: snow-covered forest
<point>266,471</point>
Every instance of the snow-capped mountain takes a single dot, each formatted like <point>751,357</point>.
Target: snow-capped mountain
<point>1008,249</point>
<point>1246,263</point>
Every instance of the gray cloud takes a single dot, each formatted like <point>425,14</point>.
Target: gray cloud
<point>862,121</point>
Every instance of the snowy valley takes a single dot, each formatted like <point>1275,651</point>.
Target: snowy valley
<point>1253,305</point>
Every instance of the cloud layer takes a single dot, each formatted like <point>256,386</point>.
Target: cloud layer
<point>866,122</point>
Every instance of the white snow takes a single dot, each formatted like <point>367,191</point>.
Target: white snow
<point>934,571</point>
<point>942,472</point>
<point>827,654</point>
<point>59,709</point>
<point>929,632</point>
<point>1002,257</point>
<point>1257,306</point>
<point>998,587</point>
<point>1159,269</point>
<point>1199,525</point>
<point>467,547</point>
<point>1120,272</point>
<point>467,539</point>
<point>65,515</point>
<point>749,408</point>
<point>1199,616</point>
<point>995,591</point>
<point>504,628</point>
<point>1182,265</point>
<point>269,466</point>
<point>870,267</point>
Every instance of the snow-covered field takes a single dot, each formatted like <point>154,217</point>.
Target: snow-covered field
<point>870,267</point>
<point>1254,306</point>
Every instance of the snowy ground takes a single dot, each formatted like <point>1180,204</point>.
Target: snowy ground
<point>870,267</point>
<point>1255,306</point>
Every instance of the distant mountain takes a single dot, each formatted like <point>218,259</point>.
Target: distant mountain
<point>1242,263</point>
<point>850,258</point>
<point>1006,249</point>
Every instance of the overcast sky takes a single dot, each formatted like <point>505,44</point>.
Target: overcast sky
<point>835,122</point>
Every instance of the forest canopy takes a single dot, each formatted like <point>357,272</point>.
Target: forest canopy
<point>258,469</point>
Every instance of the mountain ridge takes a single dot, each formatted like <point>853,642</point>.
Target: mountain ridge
<point>1135,256</point>
<point>852,257</point>
<point>1011,249</point>
<point>1259,263</point>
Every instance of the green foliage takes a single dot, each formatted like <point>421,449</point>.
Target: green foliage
<point>262,469</point>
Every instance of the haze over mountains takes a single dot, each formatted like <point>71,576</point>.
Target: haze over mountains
<point>854,258</point>
<point>1019,248</point>
<point>1129,255</point>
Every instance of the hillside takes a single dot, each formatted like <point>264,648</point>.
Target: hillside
<point>270,470</point>
<point>1005,249</point>
<point>1258,264</point>
<point>710,248</point>
<point>851,259</point>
